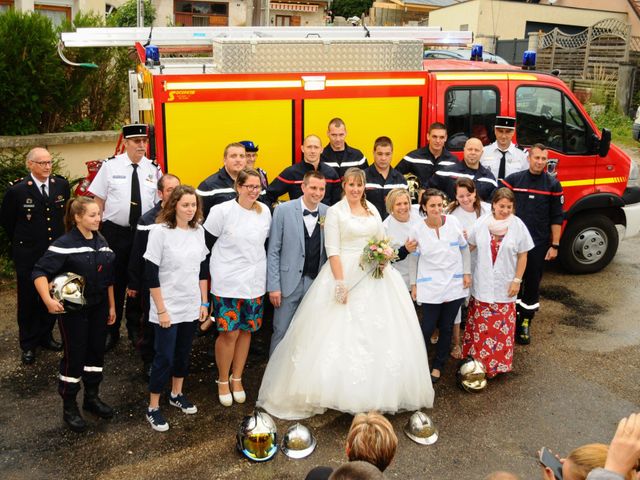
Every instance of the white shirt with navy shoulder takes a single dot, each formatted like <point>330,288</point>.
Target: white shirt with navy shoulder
<point>113,184</point>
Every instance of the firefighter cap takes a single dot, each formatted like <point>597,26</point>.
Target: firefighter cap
<point>505,122</point>
<point>249,146</point>
<point>134,130</point>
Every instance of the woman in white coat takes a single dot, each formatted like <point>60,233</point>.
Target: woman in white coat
<point>397,227</point>
<point>502,241</point>
<point>467,208</point>
<point>442,274</point>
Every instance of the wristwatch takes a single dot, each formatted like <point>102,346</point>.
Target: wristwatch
<point>555,246</point>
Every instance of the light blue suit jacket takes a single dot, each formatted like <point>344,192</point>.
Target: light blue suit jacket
<point>285,253</point>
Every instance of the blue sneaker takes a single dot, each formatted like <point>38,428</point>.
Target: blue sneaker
<point>157,421</point>
<point>183,404</point>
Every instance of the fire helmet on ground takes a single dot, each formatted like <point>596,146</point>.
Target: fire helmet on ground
<point>68,289</point>
<point>471,375</point>
<point>421,429</point>
<point>298,442</point>
<point>256,437</point>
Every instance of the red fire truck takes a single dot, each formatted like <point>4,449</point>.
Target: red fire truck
<point>275,91</point>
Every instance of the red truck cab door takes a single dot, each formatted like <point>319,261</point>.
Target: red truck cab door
<point>547,114</point>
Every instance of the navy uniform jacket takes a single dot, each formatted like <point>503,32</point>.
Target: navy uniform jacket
<point>140,239</point>
<point>30,221</point>
<point>445,180</point>
<point>290,181</point>
<point>93,259</point>
<point>215,189</point>
<point>423,164</point>
<point>344,160</point>
<point>539,202</point>
<point>378,187</point>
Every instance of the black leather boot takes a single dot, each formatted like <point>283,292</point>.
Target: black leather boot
<point>93,404</point>
<point>71,416</point>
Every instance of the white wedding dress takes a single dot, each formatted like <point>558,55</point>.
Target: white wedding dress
<point>367,354</point>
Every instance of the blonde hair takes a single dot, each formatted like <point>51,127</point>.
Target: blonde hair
<point>359,176</point>
<point>371,438</point>
<point>587,457</point>
<point>393,196</point>
<point>242,178</point>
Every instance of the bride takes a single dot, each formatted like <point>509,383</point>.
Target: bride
<point>354,344</point>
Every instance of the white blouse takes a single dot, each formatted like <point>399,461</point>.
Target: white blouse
<point>238,259</point>
<point>491,280</point>
<point>440,269</point>
<point>399,233</point>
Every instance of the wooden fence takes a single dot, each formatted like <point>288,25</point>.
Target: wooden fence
<point>591,59</point>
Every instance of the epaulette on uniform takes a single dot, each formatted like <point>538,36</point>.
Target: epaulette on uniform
<point>57,175</point>
<point>108,158</point>
<point>155,163</point>
<point>17,180</point>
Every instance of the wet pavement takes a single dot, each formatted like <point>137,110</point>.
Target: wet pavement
<point>579,376</point>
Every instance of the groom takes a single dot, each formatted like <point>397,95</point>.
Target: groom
<point>296,251</point>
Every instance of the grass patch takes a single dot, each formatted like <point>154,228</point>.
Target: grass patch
<point>618,123</point>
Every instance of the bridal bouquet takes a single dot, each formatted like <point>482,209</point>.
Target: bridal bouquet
<point>376,254</point>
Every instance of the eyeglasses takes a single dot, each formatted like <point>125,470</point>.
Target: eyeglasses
<point>42,164</point>
<point>252,188</point>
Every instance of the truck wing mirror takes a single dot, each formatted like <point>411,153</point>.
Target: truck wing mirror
<point>605,143</point>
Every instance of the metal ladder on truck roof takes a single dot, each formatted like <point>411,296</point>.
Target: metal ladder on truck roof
<point>192,36</point>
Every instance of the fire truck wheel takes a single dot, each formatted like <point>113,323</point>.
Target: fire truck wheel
<point>588,244</point>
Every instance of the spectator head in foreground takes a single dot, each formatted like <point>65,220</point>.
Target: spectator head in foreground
<point>371,439</point>
<point>356,471</point>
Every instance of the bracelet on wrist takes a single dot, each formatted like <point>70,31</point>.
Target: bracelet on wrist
<point>517,280</point>
<point>205,304</point>
<point>555,246</point>
<point>160,313</point>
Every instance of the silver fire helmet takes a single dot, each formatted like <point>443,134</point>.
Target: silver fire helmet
<point>298,442</point>
<point>68,289</point>
<point>471,375</point>
<point>256,437</point>
<point>421,429</point>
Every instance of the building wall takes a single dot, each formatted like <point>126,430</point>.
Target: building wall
<point>505,19</point>
<point>306,18</point>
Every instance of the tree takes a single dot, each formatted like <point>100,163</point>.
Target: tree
<point>127,14</point>
<point>349,8</point>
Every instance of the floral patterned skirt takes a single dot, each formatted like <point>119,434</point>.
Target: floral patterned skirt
<point>489,335</point>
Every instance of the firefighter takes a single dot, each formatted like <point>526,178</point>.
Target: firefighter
<point>502,157</point>
<point>539,202</point>
<point>81,251</point>
<point>219,187</point>
<point>381,176</point>
<point>137,288</point>
<point>252,155</point>
<point>125,189</point>
<point>290,179</point>
<point>338,154</point>
<point>33,216</point>
<point>425,161</point>
<point>445,180</point>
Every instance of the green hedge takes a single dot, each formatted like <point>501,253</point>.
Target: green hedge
<point>40,94</point>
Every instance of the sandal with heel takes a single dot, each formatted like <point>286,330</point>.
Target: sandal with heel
<point>238,396</point>
<point>226,399</point>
